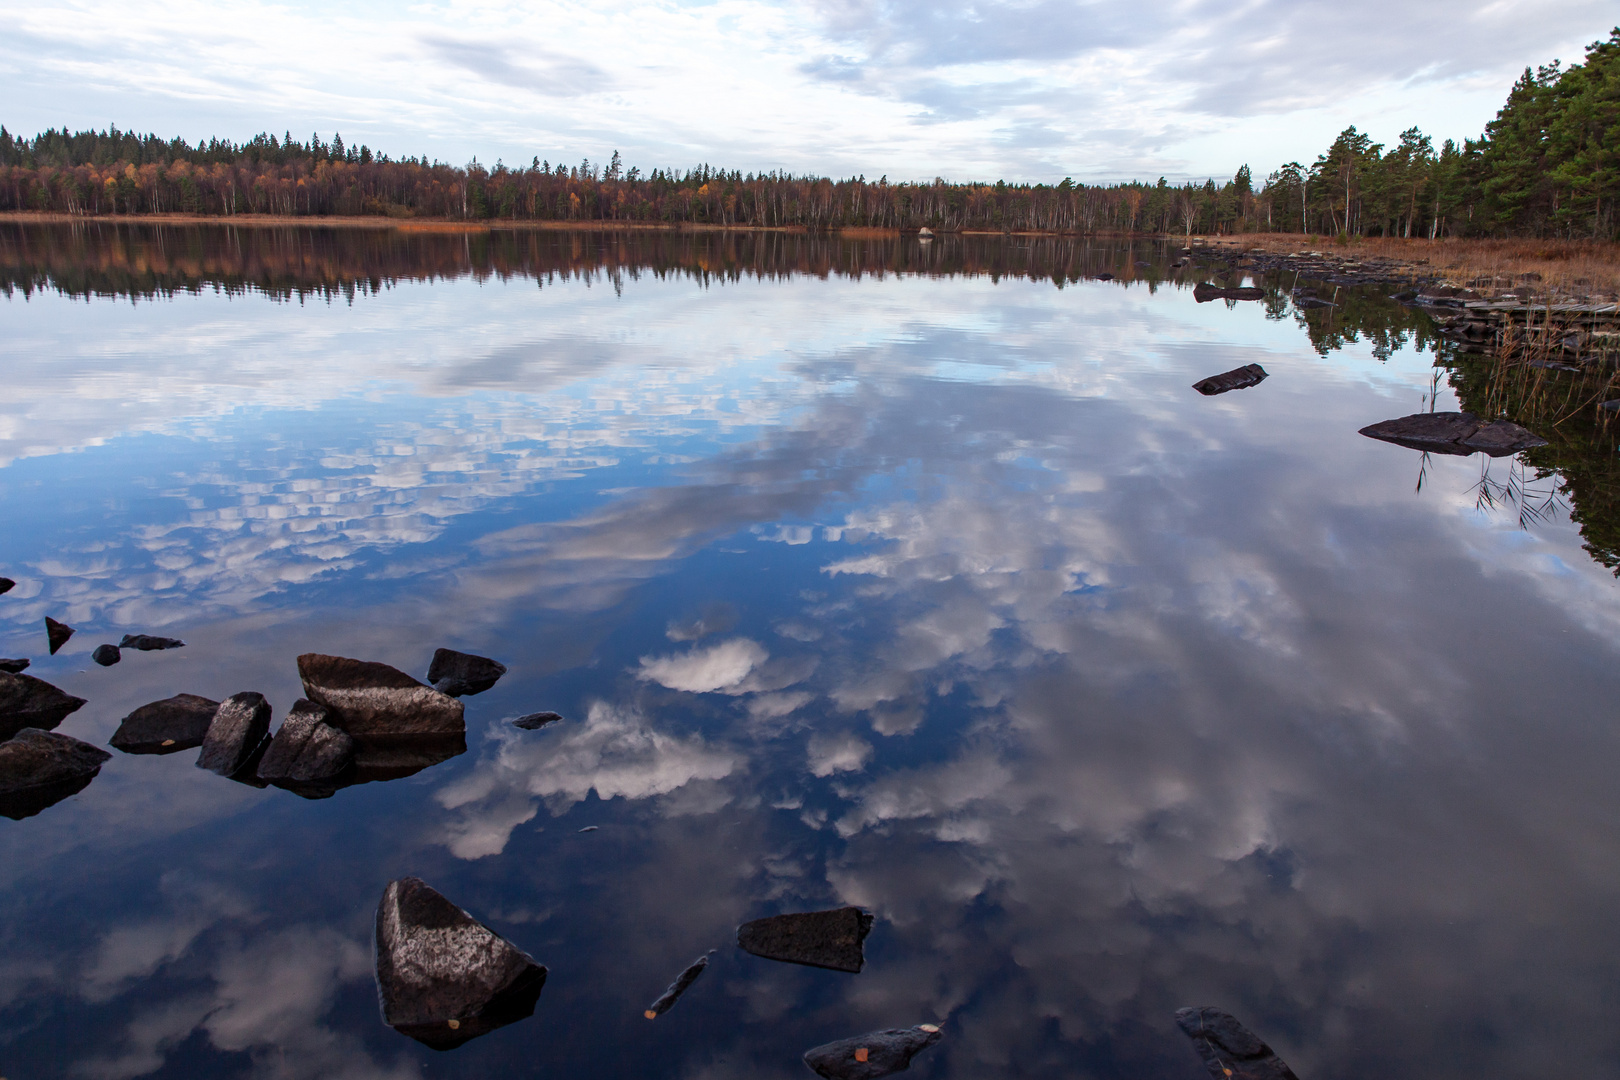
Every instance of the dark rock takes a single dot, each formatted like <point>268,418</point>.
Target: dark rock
<point>461,674</point>
<point>1237,379</point>
<point>826,939</point>
<point>56,633</point>
<point>41,768</point>
<point>237,732</point>
<point>1312,302</point>
<point>877,1053</point>
<point>1105,276</point>
<point>148,643</point>
<point>307,749</point>
<point>27,702</point>
<point>530,721</point>
<point>374,761</point>
<point>1454,433</point>
<point>167,726</point>
<point>106,655</point>
<point>1230,1051</point>
<point>16,667</point>
<point>682,983</point>
<point>1612,406</point>
<point>1206,291</point>
<point>6,585</point>
<point>1502,437</point>
<point>442,976</point>
<point>378,704</point>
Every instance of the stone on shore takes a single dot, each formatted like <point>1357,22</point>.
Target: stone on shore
<point>442,976</point>
<point>379,704</point>
<point>166,727</point>
<point>826,939</point>
<point>875,1054</point>
<point>148,643</point>
<point>536,720</point>
<point>1229,1050</point>
<point>1457,433</point>
<point>307,749</point>
<point>1237,379</point>
<point>15,667</point>
<point>27,702</point>
<point>41,768</point>
<point>460,674</point>
<point>238,730</point>
<point>106,655</point>
<point>56,633</point>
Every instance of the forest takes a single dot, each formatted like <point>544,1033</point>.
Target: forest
<point>1548,165</point>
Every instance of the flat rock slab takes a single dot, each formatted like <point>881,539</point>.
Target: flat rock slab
<point>6,585</point>
<point>148,643</point>
<point>826,939</point>
<point>460,674</point>
<point>1206,291</point>
<point>56,634</point>
<point>1458,433</point>
<point>1237,379</point>
<point>106,655</point>
<point>877,1053</point>
<point>443,977</point>
<point>166,727</point>
<point>239,728</point>
<point>27,702</point>
<point>531,721</point>
<point>307,749</point>
<point>377,703</point>
<point>1229,1050</point>
<point>15,667</point>
<point>672,993</point>
<point>41,768</point>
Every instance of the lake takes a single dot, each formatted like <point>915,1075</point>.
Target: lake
<point>910,576</point>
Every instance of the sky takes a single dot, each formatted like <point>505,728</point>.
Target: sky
<point>1023,90</point>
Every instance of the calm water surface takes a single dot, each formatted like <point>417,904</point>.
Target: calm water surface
<point>916,578</point>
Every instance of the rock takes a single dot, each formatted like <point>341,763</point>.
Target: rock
<point>877,1053</point>
<point>56,633</point>
<point>826,939</point>
<point>307,749</point>
<point>376,761</point>
<point>15,667</point>
<point>1454,433</point>
<point>1230,1051</point>
<point>682,983</point>
<point>27,702</point>
<point>1502,437</point>
<point>238,730</point>
<point>442,976</point>
<point>166,727</point>
<point>148,643</point>
<point>1237,379</point>
<point>461,674</point>
<point>378,704</point>
<point>6,585</point>
<point>528,722</point>
<point>106,655</point>
<point>41,768</point>
<point>1612,406</point>
<point>1206,291</point>
<point>1105,276</point>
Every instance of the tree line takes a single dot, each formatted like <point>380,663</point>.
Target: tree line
<point>1547,165</point>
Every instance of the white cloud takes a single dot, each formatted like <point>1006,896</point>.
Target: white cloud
<point>719,667</point>
<point>843,752</point>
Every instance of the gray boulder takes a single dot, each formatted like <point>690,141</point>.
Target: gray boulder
<point>378,704</point>
<point>41,768</point>
<point>1237,379</point>
<point>148,643</point>
<point>1457,433</point>
<point>166,727</point>
<point>56,634</point>
<point>307,749</point>
<point>27,702</point>
<point>877,1053</point>
<point>1229,1050</point>
<point>106,655</point>
<point>442,976</point>
<point>826,939</point>
<point>460,674</point>
<point>238,730</point>
<point>15,667</point>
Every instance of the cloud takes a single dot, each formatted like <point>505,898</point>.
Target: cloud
<point>550,74</point>
<point>702,671</point>
<point>843,752</point>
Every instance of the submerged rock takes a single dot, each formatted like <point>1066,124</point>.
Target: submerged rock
<point>1230,1051</point>
<point>148,643</point>
<point>827,939</point>
<point>682,983</point>
<point>166,727</point>
<point>536,720</point>
<point>41,768</point>
<point>1206,291</point>
<point>379,704</point>
<point>307,749</point>
<point>460,674</point>
<point>238,730</point>
<point>1458,433</point>
<point>6,585</point>
<point>375,761</point>
<point>877,1053</point>
<point>16,667</point>
<point>106,655</point>
<point>1237,379</point>
<point>56,633</point>
<point>27,702</point>
<point>442,976</point>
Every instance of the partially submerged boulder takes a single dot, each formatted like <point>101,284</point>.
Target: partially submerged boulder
<point>27,702</point>
<point>166,727</point>
<point>460,674</point>
<point>1229,1050</point>
<point>41,768</point>
<point>442,976</point>
<point>307,749</point>
<point>378,704</point>
<point>106,655</point>
<point>149,643</point>
<point>826,939</point>
<point>536,720</point>
<point>15,667</point>
<point>877,1053</point>
<point>1206,291</point>
<point>237,732</point>
<point>1237,379</point>
<point>1458,433</point>
<point>56,634</point>
<point>672,993</point>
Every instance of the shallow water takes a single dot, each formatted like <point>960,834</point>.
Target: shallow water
<point>916,578</point>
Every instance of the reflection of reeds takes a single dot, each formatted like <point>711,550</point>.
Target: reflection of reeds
<point>1534,506</point>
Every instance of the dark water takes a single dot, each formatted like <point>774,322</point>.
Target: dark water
<point>910,577</point>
